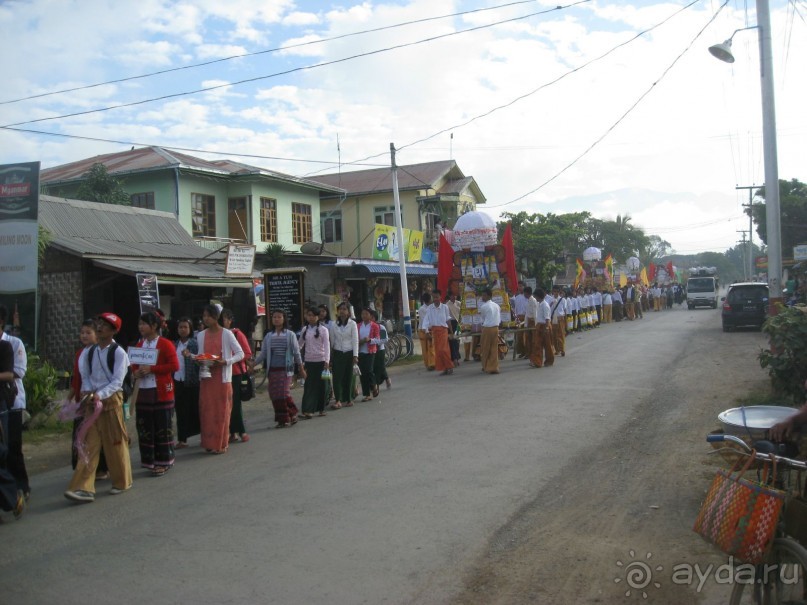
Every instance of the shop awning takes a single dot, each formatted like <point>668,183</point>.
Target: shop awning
<point>177,273</point>
<point>385,267</point>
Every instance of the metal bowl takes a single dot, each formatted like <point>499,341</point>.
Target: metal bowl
<point>753,421</point>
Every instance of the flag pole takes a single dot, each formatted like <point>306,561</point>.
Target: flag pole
<point>401,250</point>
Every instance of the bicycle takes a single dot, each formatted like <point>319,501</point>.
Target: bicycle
<point>781,578</point>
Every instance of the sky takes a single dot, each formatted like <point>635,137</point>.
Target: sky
<point>610,106</point>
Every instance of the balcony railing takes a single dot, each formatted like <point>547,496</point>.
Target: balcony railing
<point>216,243</point>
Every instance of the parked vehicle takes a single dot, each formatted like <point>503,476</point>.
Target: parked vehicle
<point>702,292</point>
<point>745,304</point>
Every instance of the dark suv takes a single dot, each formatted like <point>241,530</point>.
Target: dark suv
<point>745,304</point>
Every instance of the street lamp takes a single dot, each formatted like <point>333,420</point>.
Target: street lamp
<point>772,214</point>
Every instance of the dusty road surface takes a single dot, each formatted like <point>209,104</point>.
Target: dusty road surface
<point>533,486</point>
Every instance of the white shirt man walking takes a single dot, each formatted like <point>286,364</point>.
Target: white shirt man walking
<point>489,343</point>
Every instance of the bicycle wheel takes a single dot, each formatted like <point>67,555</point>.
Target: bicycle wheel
<point>407,346</point>
<point>259,377</point>
<point>391,352</point>
<point>779,581</point>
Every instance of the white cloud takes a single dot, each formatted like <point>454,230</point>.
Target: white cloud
<point>298,18</point>
<point>219,51</point>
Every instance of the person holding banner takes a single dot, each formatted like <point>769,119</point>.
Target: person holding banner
<point>155,397</point>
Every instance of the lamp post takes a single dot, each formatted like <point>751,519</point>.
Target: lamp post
<point>772,212</point>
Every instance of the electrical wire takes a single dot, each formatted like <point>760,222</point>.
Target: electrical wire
<point>265,51</point>
<point>528,94</point>
<point>296,69</point>
<point>621,118</point>
<point>174,148</point>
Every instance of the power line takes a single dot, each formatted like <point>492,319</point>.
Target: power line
<point>622,117</point>
<point>528,94</point>
<point>297,69</point>
<point>174,148</point>
<point>263,52</point>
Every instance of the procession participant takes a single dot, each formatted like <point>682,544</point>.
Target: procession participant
<point>436,322</point>
<point>616,297</point>
<point>426,345</point>
<point>597,300</point>
<point>454,309</point>
<point>238,431</point>
<point>87,338</point>
<point>663,298</point>
<point>542,353</point>
<point>154,408</point>
<point>345,355</point>
<point>15,460</point>
<point>630,301</point>
<point>607,307</point>
<point>316,345</point>
<point>103,369</point>
<point>640,292</point>
<point>491,314</point>
<point>368,332</point>
<point>216,392</point>
<point>531,314</point>
<point>519,305</point>
<point>186,385</point>
<point>379,365</point>
<point>655,293</point>
<point>279,354</point>
<point>11,497</point>
<point>558,321</point>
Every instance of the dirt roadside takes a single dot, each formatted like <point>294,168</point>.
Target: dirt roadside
<point>633,501</point>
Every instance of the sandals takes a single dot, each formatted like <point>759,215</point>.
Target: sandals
<point>375,391</point>
<point>322,414</point>
<point>181,445</point>
<point>368,398</point>
<point>282,425</point>
<point>389,384</point>
<point>336,406</point>
<point>348,404</point>
<point>307,416</point>
<point>159,471</point>
<point>293,421</point>
<point>244,438</point>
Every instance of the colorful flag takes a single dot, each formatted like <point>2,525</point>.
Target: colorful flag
<point>445,264</point>
<point>414,248</point>
<point>581,273</point>
<point>609,269</point>
<point>623,280</point>
<point>643,277</point>
<point>651,271</point>
<point>510,259</point>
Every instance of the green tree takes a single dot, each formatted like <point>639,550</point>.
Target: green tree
<point>99,186</point>
<point>274,256</point>
<point>655,250</point>
<point>793,212</point>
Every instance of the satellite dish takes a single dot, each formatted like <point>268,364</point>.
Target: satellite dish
<point>312,248</point>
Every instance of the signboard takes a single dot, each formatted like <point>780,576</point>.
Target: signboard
<point>143,357</point>
<point>240,260</point>
<point>800,252</point>
<point>387,247</point>
<point>19,249</point>
<point>147,292</point>
<point>285,291</point>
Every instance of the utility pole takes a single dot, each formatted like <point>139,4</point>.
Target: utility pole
<point>745,265</point>
<point>749,205</point>
<point>401,248</point>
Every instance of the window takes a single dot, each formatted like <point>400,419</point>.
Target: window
<point>268,219</point>
<point>143,200</point>
<point>331,224</point>
<point>203,208</point>
<point>385,215</point>
<point>301,230</point>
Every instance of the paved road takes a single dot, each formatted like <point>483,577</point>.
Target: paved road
<point>386,502</point>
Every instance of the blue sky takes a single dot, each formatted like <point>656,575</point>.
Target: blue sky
<point>672,162</point>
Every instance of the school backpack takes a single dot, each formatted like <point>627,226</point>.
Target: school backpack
<point>128,382</point>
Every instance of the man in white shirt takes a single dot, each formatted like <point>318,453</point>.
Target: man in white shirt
<point>426,346</point>
<point>520,310</point>
<point>15,461</point>
<point>597,299</point>
<point>558,321</point>
<point>607,307</point>
<point>616,298</point>
<point>529,318</point>
<point>103,369</point>
<point>491,314</point>
<point>436,321</point>
<point>542,353</point>
<point>454,308</point>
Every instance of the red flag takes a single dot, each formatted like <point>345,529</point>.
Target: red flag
<point>670,271</point>
<point>510,259</point>
<point>445,264</point>
<point>651,271</point>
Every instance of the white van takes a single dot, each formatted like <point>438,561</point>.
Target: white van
<point>702,292</point>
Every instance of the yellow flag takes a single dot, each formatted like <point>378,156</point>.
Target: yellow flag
<point>643,277</point>
<point>623,280</point>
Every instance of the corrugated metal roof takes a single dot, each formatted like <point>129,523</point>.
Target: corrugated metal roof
<point>186,272</point>
<point>412,176</point>
<point>147,159</point>
<point>91,228</point>
<point>457,186</point>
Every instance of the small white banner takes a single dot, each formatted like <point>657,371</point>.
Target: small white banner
<point>240,260</point>
<point>143,357</point>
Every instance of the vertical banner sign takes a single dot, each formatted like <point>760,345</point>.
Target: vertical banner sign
<point>387,246</point>
<point>285,291</point>
<point>19,214</point>
<point>148,292</point>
